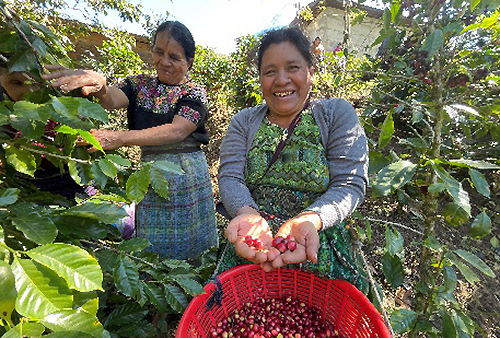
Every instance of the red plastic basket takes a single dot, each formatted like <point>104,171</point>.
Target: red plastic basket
<point>342,304</point>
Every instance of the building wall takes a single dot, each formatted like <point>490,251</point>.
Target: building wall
<point>329,26</point>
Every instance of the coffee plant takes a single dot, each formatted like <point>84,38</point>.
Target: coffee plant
<point>434,115</point>
<point>64,268</point>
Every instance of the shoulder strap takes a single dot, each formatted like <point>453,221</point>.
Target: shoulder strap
<point>283,142</point>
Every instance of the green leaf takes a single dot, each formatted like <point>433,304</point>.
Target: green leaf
<point>40,290</point>
<point>70,334</point>
<point>393,177</point>
<point>118,160</point>
<point>27,110</point>
<point>91,306</point>
<point>476,262</point>
<point>108,168</point>
<point>80,270</point>
<point>463,323</point>
<point>66,111</point>
<point>156,296</point>
<point>395,7</point>
<point>495,242</point>
<point>181,272</point>
<point>36,226</point>
<point>159,181</point>
<point>402,320</point>
<point>134,244</point>
<point>393,241</point>
<point>80,226</point>
<point>100,179</point>
<point>125,314</point>
<point>137,185</point>
<point>387,130</point>
<point>9,196</point>
<point>480,182</point>
<point>377,162</point>
<point>448,327</point>
<point>482,165</point>
<point>190,286</point>
<point>91,110</point>
<point>22,160</point>
<point>23,61</point>
<point>126,276</point>
<point>107,213</point>
<point>433,42</point>
<point>175,263</point>
<point>481,226</point>
<point>84,134</point>
<point>176,298</point>
<point>454,188</point>
<point>474,3</point>
<point>450,279</point>
<point>454,214</point>
<point>72,320</point>
<point>467,272</point>
<point>25,329</point>
<point>432,243</point>
<point>393,269</point>
<point>168,166</point>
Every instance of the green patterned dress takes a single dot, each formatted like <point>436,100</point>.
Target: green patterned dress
<point>295,181</point>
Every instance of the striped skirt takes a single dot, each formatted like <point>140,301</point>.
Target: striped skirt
<point>184,225</point>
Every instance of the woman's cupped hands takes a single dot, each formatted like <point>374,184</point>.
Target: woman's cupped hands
<point>303,229</point>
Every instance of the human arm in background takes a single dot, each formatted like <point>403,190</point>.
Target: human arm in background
<point>94,83</point>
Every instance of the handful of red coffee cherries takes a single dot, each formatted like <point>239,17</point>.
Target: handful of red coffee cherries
<point>281,243</point>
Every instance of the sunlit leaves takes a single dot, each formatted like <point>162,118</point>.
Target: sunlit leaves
<point>72,320</point>
<point>80,270</point>
<point>22,160</point>
<point>40,291</point>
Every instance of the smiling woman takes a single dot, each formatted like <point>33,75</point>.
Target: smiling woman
<point>301,186</point>
<point>167,114</point>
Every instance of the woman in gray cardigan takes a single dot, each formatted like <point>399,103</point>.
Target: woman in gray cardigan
<point>318,179</point>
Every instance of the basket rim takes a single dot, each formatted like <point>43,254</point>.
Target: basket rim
<point>375,316</point>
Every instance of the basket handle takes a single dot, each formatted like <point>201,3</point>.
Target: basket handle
<point>217,294</point>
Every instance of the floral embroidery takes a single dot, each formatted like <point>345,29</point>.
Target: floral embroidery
<point>190,114</point>
<point>159,98</point>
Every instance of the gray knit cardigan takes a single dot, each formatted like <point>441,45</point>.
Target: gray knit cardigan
<point>346,149</point>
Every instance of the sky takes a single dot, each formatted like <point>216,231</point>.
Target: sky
<point>217,23</point>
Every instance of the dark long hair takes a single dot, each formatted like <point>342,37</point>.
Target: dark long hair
<point>286,34</point>
<point>179,33</point>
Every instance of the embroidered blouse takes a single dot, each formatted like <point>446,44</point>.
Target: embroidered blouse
<point>153,103</point>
